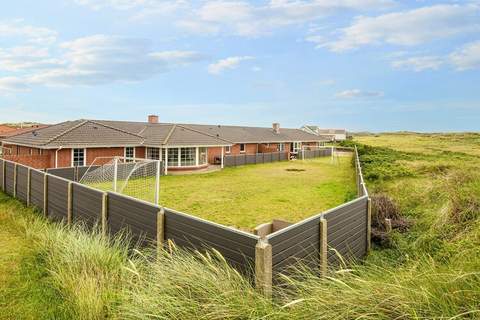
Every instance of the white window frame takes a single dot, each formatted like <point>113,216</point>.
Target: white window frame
<point>281,147</point>
<point>84,156</point>
<point>297,146</point>
<point>125,153</point>
<point>228,149</point>
<point>244,147</point>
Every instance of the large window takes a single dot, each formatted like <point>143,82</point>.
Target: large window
<point>281,147</point>
<point>153,153</point>
<point>242,147</point>
<point>202,158</point>
<point>78,157</point>
<point>173,157</point>
<point>129,154</point>
<point>187,157</point>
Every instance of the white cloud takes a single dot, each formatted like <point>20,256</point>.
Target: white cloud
<point>467,57</point>
<point>227,63</point>
<point>13,84</point>
<point>18,29</point>
<point>24,58</point>
<point>357,93</point>
<point>419,63</point>
<point>408,28</point>
<point>237,17</point>
<point>105,59</point>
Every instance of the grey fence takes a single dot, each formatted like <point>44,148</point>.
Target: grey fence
<point>243,159</point>
<point>339,234</point>
<point>87,205</point>
<point>310,154</point>
<point>57,199</point>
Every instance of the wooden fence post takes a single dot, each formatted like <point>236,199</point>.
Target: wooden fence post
<point>369,224</point>
<point>69,203</point>
<point>263,267</point>
<point>29,185</point>
<point>160,230</point>
<point>104,213</point>
<point>15,168</point>
<point>323,247</point>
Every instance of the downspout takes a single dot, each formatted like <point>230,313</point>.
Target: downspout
<point>56,156</point>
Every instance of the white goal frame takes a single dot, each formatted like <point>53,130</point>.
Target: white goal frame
<point>116,160</point>
<point>333,156</point>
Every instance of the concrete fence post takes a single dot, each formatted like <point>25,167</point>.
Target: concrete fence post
<point>29,186</point>
<point>369,224</point>
<point>323,247</point>
<point>69,203</point>
<point>104,214</point>
<point>15,169</point>
<point>4,169</point>
<point>388,225</point>
<point>45,195</point>
<point>160,230</point>
<point>263,267</point>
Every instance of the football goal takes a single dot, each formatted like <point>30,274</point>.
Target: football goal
<point>309,152</point>
<point>138,178</point>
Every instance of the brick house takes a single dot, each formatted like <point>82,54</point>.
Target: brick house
<point>186,146</point>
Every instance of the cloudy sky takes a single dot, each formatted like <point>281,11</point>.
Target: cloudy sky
<point>361,64</point>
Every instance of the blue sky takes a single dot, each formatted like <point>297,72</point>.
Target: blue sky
<point>378,65</point>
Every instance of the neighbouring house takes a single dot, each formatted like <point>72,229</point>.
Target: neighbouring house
<point>181,146</point>
<point>330,134</point>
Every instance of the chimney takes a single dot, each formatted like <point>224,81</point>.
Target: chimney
<point>152,118</point>
<point>276,127</point>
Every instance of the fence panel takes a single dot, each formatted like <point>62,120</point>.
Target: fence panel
<point>347,231</point>
<point>36,188</point>
<point>298,243</point>
<point>66,173</point>
<point>267,157</point>
<point>259,158</point>
<point>229,161</point>
<point>251,159</point>
<point>57,199</point>
<point>283,156</point>
<point>9,173</point>
<point>22,183</point>
<point>137,217</point>
<point>1,173</point>
<point>275,156</point>
<point>194,233</point>
<point>240,160</point>
<point>86,205</point>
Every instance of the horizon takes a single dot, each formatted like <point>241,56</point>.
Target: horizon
<point>364,65</point>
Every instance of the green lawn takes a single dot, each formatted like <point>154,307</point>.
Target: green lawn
<point>247,196</point>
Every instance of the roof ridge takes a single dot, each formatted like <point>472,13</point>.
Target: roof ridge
<point>115,128</point>
<point>205,133</point>
<point>169,134</point>
<point>82,122</point>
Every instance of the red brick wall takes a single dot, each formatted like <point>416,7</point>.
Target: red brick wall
<point>214,152</point>
<point>93,153</point>
<point>140,152</point>
<point>34,161</point>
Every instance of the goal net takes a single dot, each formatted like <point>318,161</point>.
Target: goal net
<point>138,178</point>
<point>310,152</point>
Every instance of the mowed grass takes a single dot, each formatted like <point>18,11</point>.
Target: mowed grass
<point>246,196</point>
